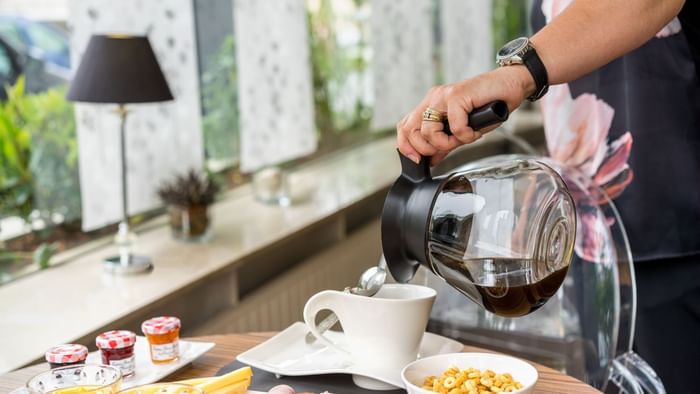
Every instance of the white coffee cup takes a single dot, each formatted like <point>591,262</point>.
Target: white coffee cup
<point>381,332</point>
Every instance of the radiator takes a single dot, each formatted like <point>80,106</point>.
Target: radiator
<point>280,302</point>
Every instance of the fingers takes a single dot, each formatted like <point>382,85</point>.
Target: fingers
<point>457,114</point>
<point>402,142</point>
<point>420,144</point>
<point>433,134</point>
<point>409,139</point>
<point>416,138</point>
<point>412,144</point>
<point>432,131</point>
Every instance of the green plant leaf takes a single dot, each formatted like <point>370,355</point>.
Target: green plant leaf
<point>42,255</point>
<point>38,155</point>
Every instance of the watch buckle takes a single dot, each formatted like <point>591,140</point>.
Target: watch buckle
<point>538,95</point>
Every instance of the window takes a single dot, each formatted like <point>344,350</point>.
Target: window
<point>217,75</point>
<point>340,56</point>
<point>39,184</point>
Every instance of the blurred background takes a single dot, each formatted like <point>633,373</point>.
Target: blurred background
<point>283,118</point>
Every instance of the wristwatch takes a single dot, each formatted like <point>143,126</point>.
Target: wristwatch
<point>521,51</point>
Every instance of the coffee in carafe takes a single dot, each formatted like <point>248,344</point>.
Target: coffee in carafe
<point>517,296</point>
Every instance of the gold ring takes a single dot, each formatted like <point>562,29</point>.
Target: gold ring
<point>433,115</point>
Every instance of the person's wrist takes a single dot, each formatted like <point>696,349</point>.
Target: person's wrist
<point>520,78</point>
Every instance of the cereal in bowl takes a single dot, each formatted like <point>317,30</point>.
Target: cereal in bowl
<point>471,381</point>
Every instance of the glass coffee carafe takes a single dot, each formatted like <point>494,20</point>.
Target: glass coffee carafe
<point>501,234</point>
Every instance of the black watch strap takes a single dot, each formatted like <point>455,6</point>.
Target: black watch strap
<point>534,64</point>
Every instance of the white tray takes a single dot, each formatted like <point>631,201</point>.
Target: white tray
<point>146,371</point>
<point>288,354</point>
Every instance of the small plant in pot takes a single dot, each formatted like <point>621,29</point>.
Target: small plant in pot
<point>188,197</point>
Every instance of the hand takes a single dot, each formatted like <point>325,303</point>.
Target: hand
<point>416,137</point>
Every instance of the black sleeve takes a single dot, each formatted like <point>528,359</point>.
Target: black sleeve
<point>537,19</point>
<point>690,21</point>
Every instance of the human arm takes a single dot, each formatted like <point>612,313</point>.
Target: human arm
<point>585,36</point>
<point>591,33</point>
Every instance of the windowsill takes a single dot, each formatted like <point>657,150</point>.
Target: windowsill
<point>77,299</point>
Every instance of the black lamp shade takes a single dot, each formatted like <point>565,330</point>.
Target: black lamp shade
<point>119,69</point>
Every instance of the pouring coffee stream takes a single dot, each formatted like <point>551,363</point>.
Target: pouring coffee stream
<point>502,235</point>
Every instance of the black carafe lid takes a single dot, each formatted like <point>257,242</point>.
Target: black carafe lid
<point>407,208</point>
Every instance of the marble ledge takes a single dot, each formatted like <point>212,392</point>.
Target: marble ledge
<point>76,298</point>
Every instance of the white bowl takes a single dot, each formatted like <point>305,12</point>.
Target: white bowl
<point>415,373</point>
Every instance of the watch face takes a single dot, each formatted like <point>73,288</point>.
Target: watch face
<point>512,47</point>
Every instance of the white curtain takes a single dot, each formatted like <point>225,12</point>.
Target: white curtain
<point>162,139</point>
<point>274,81</point>
<point>467,47</point>
<point>402,60</point>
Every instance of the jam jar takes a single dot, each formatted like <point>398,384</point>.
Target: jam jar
<point>163,335</point>
<point>66,355</point>
<point>117,350</point>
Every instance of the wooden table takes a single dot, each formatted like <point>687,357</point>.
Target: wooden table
<point>228,346</point>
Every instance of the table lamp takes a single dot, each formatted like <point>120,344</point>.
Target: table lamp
<point>120,69</point>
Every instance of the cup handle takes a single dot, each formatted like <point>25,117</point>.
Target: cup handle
<point>327,299</point>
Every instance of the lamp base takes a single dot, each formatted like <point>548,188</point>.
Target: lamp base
<point>128,265</point>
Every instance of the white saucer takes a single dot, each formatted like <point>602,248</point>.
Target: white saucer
<point>146,371</point>
<point>288,354</point>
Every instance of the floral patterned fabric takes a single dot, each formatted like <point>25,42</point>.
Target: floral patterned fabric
<point>633,126</point>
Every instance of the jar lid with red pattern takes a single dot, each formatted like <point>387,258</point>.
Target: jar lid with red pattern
<point>160,325</point>
<point>117,339</point>
<point>66,354</point>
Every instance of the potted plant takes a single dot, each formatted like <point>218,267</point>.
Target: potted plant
<point>188,197</point>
